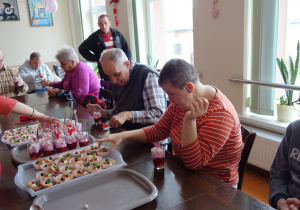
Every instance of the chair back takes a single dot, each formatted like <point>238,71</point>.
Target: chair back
<point>248,140</point>
<point>106,96</point>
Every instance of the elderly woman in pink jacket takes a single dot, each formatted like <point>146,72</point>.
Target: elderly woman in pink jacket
<point>80,79</point>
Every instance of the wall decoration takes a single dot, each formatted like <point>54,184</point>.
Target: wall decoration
<point>39,16</point>
<point>9,10</point>
<point>214,11</point>
<point>114,2</point>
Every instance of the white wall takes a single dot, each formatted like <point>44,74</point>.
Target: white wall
<point>218,46</point>
<point>19,39</point>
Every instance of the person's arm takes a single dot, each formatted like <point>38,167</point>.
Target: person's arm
<point>279,173</point>
<point>116,139</point>
<point>47,72</point>
<point>288,204</point>
<point>86,49</point>
<point>154,102</point>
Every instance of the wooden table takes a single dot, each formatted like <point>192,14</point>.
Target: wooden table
<point>178,187</point>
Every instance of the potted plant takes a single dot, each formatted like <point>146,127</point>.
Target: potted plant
<point>285,110</point>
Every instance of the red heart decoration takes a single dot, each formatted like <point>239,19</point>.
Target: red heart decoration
<point>115,10</point>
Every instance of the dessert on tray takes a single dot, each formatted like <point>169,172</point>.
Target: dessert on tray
<point>80,172</point>
<point>44,174</point>
<point>107,162</point>
<point>48,182</point>
<point>63,177</point>
<point>35,184</point>
<point>94,159</point>
<point>103,152</point>
<point>67,169</point>
<point>95,167</point>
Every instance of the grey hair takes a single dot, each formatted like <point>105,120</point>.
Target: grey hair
<point>178,72</point>
<point>67,53</point>
<point>115,54</point>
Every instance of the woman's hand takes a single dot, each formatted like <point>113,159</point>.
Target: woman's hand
<point>43,119</point>
<point>289,204</point>
<point>116,139</point>
<point>52,92</point>
<point>45,82</point>
<point>198,108</point>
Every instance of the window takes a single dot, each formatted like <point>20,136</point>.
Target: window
<point>274,31</point>
<point>90,11</point>
<point>164,30</point>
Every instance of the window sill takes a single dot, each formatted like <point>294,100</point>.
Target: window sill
<point>264,122</point>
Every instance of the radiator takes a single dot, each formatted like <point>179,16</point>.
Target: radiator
<point>264,149</point>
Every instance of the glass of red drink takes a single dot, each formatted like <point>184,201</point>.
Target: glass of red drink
<point>60,144</point>
<point>71,142</point>
<point>97,117</point>
<point>158,157</point>
<point>35,150</point>
<point>48,147</point>
<point>83,139</point>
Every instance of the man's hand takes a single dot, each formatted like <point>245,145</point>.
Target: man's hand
<point>40,74</point>
<point>93,108</point>
<point>52,91</point>
<point>116,139</point>
<point>289,204</point>
<point>198,108</point>
<point>45,82</point>
<point>120,119</point>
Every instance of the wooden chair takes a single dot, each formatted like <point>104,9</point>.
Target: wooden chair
<point>106,96</point>
<point>248,140</point>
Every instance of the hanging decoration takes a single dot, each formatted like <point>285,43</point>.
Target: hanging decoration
<point>114,2</point>
<point>51,5</point>
<point>214,11</point>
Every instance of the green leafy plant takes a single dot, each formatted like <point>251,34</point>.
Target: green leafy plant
<point>149,59</point>
<point>290,77</point>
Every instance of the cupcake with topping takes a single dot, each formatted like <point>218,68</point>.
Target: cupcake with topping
<point>35,184</point>
<point>62,161</point>
<point>67,169</point>
<point>67,155</point>
<point>44,174</point>
<point>92,148</point>
<point>54,168</point>
<point>52,159</point>
<point>61,178</point>
<point>38,163</point>
<point>76,160</point>
<point>48,182</point>
<point>103,152</point>
<point>79,152</point>
<point>95,167</point>
<point>80,172</point>
<point>107,162</point>
<point>94,159</point>
<point>88,154</point>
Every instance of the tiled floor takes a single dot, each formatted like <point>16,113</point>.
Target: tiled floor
<point>256,183</point>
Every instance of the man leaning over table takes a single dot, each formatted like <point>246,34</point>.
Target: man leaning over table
<point>285,171</point>
<point>33,71</point>
<point>11,83</point>
<point>202,122</point>
<point>138,100</point>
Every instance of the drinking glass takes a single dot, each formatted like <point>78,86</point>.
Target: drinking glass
<point>97,117</point>
<point>158,157</point>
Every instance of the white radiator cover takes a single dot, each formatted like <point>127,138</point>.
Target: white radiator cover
<point>264,150</point>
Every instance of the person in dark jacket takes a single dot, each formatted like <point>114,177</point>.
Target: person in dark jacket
<point>104,38</point>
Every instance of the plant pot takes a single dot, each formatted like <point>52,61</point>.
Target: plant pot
<point>286,113</point>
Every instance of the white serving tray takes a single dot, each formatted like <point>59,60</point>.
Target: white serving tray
<point>24,142</point>
<point>118,189</point>
<point>26,172</point>
<point>20,153</point>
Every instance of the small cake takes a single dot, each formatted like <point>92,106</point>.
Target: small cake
<point>45,166</point>
<point>80,172</point>
<point>107,162</point>
<point>94,159</point>
<point>92,148</point>
<point>48,182</point>
<point>61,178</point>
<point>88,154</point>
<point>54,168</point>
<point>80,165</point>
<point>37,164</point>
<point>79,152</point>
<point>95,167</point>
<point>62,161</point>
<point>52,159</point>
<point>67,169</point>
<point>103,152</point>
<point>44,174</point>
<point>67,155</point>
<point>35,184</point>
<point>76,159</point>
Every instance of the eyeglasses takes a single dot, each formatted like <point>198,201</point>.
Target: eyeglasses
<point>296,104</point>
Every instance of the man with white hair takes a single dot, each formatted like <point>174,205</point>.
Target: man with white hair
<point>138,100</point>
<point>11,82</point>
<point>33,72</point>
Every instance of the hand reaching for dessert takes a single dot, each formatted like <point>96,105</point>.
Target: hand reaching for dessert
<point>116,139</point>
<point>198,108</point>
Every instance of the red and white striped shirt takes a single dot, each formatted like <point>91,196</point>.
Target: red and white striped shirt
<point>218,147</point>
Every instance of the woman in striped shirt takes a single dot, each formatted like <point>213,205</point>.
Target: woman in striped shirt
<point>201,121</point>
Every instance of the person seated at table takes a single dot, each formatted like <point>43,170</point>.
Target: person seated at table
<point>33,72</point>
<point>201,121</point>
<point>12,83</point>
<point>285,171</point>
<point>137,98</point>
<point>80,78</point>
<point>9,105</point>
